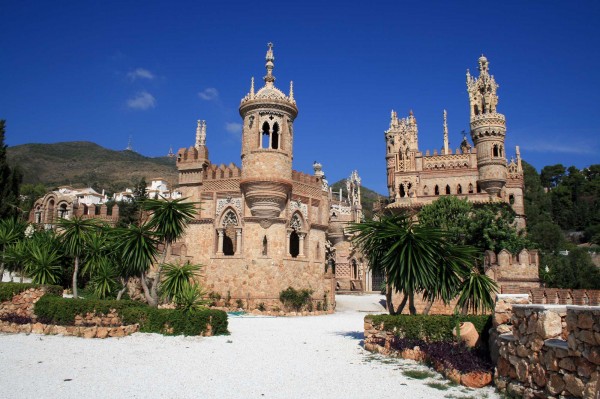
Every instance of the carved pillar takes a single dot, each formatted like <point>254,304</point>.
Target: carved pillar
<point>220,232</point>
<point>287,243</point>
<point>238,241</point>
<point>301,245</point>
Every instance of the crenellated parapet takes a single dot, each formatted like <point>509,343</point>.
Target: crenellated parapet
<point>520,269</point>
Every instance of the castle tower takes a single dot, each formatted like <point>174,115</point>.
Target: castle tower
<point>402,145</point>
<point>192,161</point>
<point>267,145</point>
<point>488,129</point>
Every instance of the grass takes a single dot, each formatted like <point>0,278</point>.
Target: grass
<point>418,374</point>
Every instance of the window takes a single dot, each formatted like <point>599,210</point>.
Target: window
<point>228,234</point>
<point>470,188</point>
<point>459,189</point>
<point>265,244</point>
<point>265,135</point>
<point>294,244</point>
<point>437,190</point>
<point>447,190</point>
<point>275,137</point>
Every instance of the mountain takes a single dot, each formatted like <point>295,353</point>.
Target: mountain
<point>82,163</point>
<point>368,197</point>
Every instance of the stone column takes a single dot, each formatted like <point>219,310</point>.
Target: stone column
<point>287,243</point>
<point>301,245</point>
<point>238,241</point>
<point>220,232</point>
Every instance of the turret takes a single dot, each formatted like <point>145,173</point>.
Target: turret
<point>267,145</point>
<point>402,144</point>
<point>488,129</point>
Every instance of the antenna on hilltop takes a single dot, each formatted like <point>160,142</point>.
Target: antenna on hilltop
<point>129,144</point>
<point>171,154</point>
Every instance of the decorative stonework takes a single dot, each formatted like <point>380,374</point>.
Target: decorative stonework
<point>235,203</point>
<point>298,205</point>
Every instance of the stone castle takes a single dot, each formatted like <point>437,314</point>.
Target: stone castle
<point>260,228</point>
<point>480,174</point>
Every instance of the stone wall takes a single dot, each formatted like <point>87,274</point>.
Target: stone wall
<point>551,351</point>
<point>556,296</point>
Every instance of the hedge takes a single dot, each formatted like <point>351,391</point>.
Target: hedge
<point>9,290</point>
<point>62,311</point>
<point>430,328</point>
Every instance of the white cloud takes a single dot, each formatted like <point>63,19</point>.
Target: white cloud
<point>561,148</point>
<point>142,100</point>
<point>209,94</point>
<point>140,73</point>
<point>233,127</point>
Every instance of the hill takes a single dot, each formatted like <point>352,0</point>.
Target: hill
<point>367,197</point>
<point>82,163</point>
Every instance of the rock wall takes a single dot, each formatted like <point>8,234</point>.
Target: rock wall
<point>556,296</point>
<point>551,351</point>
<point>22,304</point>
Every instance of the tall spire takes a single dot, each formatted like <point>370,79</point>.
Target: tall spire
<point>291,90</point>
<point>269,78</point>
<point>445,132</point>
<point>200,134</point>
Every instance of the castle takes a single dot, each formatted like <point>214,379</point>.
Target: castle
<point>480,174</point>
<point>260,228</point>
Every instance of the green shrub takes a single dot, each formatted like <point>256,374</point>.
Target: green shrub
<point>8,290</point>
<point>295,299</point>
<point>430,328</point>
<point>62,311</point>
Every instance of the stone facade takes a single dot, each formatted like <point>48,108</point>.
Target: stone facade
<point>260,228</point>
<point>480,174</point>
<point>551,351</point>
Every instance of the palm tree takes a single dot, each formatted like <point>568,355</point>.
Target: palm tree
<point>169,219</point>
<point>177,278</point>
<point>414,258</point>
<point>11,231</point>
<point>75,233</point>
<point>137,249</point>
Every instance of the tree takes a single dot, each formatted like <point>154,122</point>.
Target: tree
<point>552,175</point>
<point>576,270</point>
<point>417,259</point>
<point>168,220</point>
<point>10,180</point>
<point>451,214</point>
<point>75,233</point>
<point>548,236</point>
<point>11,231</point>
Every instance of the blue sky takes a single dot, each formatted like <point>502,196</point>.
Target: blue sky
<point>102,71</point>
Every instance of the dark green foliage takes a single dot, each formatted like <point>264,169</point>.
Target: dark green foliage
<point>429,328</point>
<point>62,311</point>
<point>8,290</point>
<point>576,270</point>
<point>10,181</point>
<point>295,299</point>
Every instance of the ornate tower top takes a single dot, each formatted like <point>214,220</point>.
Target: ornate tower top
<point>200,134</point>
<point>482,90</point>
<point>445,132</point>
<point>269,78</point>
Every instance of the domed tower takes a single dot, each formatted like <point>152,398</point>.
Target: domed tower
<point>488,129</point>
<point>267,145</point>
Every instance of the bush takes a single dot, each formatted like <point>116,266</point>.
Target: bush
<point>62,311</point>
<point>9,290</point>
<point>295,299</point>
<point>430,328</point>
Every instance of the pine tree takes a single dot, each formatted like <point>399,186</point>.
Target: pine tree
<point>10,180</point>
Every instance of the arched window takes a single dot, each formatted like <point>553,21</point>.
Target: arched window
<point>511,199</point>
<point>354,270</point>
<point>265,135</point>
<point>425,190</point>
<point>63,212</point>
<point>318,251</point>
<point>501,151</point>
<point>265,245</point>
<point>459,189</point>
<point>229,224</point>
<point>470,188</point>
<point>447,189</point>
<point>475,109</point>
<point>495,151</point>
<point>294,244</point>
<point>402,192</point>
<point>437,190</point>
<point>478,188</point>
<point>275,136</point>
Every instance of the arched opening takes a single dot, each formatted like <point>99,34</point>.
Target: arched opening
<point>275,137</point>
<point>86,210</point>
<point>459,189</point>
<point>511,199</point>
<point>437,190</point>
<point>294,244</point>
<point>475,109</point>
<point>501,151</point>
<point>478,188</point>
<point>50,215</point>
<point>402,192</point>
<point>470,188</point>
<point>63,212</point>
<point>229,224</point>
<point>425,190</point>
<point>228,241</point>
<point>265,135</point>
<point>354,270</point>
<point>447,189</point>
<point>318,251</point>
<point>495,151</point>
<point>265,245</point>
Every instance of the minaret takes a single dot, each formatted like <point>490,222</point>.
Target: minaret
<point>445,132</point>
<point>200,134</point>
<point>267,145</point>
<point>488,129</point>
<point>402,144</point>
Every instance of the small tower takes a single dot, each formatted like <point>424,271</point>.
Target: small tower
<point>267,145</point>
<point>488,129</point>
<point>402,145</point>
<point>445,132</point>
<point>192,161</point>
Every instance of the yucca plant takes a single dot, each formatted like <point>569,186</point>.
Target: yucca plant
<point>104,280</point>
<point>177,278</point>
<point>190,298</point>
<point>17,255</point>
<point>477,293</point>
<point>11,231</point>
<point>43,265</point>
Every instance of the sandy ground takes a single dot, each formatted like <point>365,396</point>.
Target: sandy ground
<point>264,357</point>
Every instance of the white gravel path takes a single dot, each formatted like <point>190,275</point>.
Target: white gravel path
<point>264,357</point>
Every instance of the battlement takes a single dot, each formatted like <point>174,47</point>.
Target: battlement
<point>513,269</point>
<point>221,172</point>
<point>305,178</point>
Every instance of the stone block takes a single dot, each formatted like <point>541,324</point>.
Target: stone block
<point>567,363</point>
<point>555,384</point>
<point>584,321</point>
<point>586,336</point>
<point>538,375</point>
<point>574,385</point>
<point>549,325</point>
<point>584,368</point>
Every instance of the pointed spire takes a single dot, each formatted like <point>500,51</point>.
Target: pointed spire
<point>519,165</point>
<point>445,132</point>
<point>269,78</point>
<point>291,90</point>
<point>252,88</point>
<point>200,134</point>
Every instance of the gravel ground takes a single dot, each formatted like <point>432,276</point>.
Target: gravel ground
<point>264,357</point>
